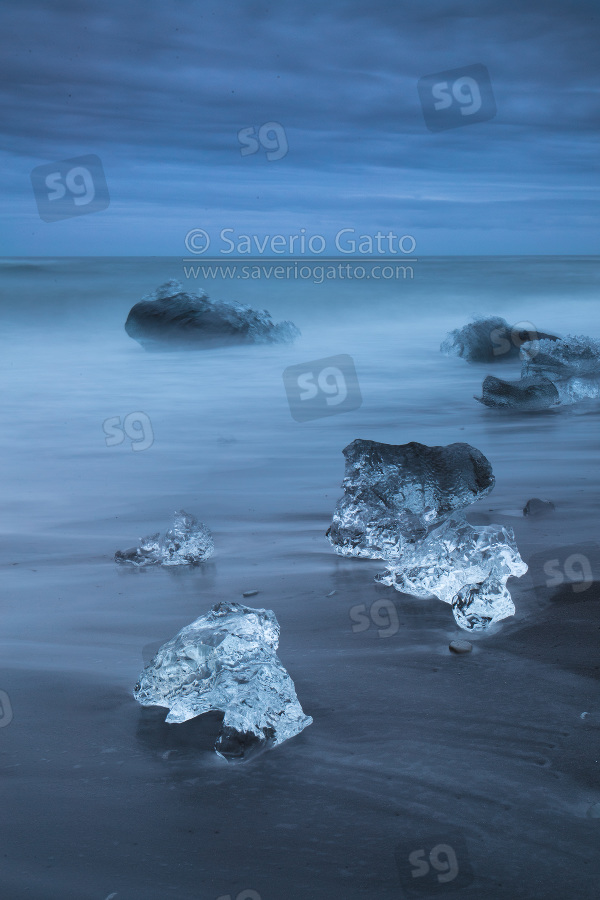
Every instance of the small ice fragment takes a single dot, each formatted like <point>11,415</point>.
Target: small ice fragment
<point>331,593</point>
<point>149,552</point>
<point>249,593</point>
<point>393,494</point>
<point>169,314</point>
<point>227,661</point>
<point>537,507</point>
<point>583,715</point>
<point>460,646</point>
<point>529,393</point>
<point>186,542</point>
<point>489,340</point>
<point>464,565</point>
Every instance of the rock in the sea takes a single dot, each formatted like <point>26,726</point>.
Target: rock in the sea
<point>537,507</point>
<point>393,494</point>
<point>227,661</point>
<point>186,543</point>
<point>171,315</point>
<point>491,340</point>
<point>460,646</point>
<point>464,565</point>
<point>531,393</point>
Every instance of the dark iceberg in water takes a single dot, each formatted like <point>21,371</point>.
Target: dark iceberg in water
<point>553,373</point>
<point>169,315</point>
<point>491,340</point>
<point>393,494</point>
<point>227,661</point>
<point>527,394</point>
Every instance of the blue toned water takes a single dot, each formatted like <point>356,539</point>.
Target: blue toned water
<point>99,799</point>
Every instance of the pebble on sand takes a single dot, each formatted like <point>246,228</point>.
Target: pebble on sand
<point>249,593</point>
<point>460,646</point>
<point>537,507</point>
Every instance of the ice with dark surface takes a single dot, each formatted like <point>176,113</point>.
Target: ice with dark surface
<point>553,373</point>
<point>393,494</point>
<point>528,394</point>
<point>171,315</point>
<point>227,661</point>
<point>186,543</point>
<point>464,565</point>
<point>489,340</point>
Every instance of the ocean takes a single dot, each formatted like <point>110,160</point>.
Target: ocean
<point>409,743</point>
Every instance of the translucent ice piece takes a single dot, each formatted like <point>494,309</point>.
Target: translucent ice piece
<point>530,393</point>
<point>186,543</point>
<point>227,661</point>
<point>170,314</point>
<point>464,565</point>
<point>393,494</point>
<point>562,358</point>
<point>489,340</point>
<point>576,388</point>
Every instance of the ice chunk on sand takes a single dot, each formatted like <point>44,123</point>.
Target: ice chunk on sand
<point>226,661</point>
<point>186,543</point>
<point>170,314</point>
<point>491,340</point>
<point>529,393</point>
<point>464,565</point>
<point>396,493</point>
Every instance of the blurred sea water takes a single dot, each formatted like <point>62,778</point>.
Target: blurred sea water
<point>226,448</point>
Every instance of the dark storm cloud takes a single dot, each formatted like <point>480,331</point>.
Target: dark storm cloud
<point>160,92</point>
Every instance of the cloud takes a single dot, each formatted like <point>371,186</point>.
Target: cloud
<point>160,93</point>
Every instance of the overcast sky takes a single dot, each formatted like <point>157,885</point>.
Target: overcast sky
<point>160,90</point>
